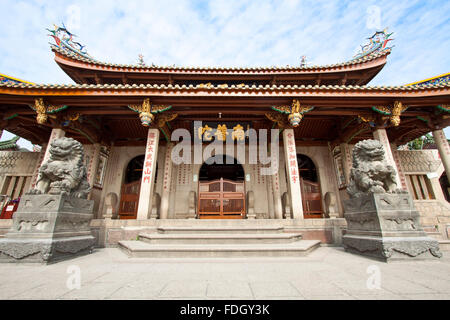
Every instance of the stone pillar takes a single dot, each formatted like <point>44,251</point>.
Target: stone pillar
<point>167,178</point>
<point>444,149</point>
<point>293,176</point>
<point>346,157</point>
<point>93,166</point>
<point>381,135</point>
<point>271,214</point>
<point>56,134</point>
<point>38,165</point>
<point>45,153</point>
<point>401,173</point>
<point>148,175</point>
<point>277,205</point>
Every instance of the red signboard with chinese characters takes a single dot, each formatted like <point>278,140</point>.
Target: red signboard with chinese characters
<point>149,158</point>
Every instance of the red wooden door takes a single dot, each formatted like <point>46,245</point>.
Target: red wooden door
<point>221,199</point>
<point>129,200</point>
<point>311,199</point>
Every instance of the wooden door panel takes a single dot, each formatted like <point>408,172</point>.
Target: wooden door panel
<point>129,200</point>
<point>311,199</point>
<point>222,201</point>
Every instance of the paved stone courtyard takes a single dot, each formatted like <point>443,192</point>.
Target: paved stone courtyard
<point>327,273</point>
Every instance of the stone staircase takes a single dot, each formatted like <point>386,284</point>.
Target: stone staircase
<point>218,241</point>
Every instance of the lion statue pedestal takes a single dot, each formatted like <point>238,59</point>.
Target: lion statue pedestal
<point>52,222</point>
<point>382,221</point>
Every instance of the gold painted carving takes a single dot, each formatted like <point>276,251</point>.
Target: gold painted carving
<point>146,111</point>
<point>396,112</point>
<point>279,119</point>
<point>163,118</point>
<point>41,111</point>
<point>295,112</point>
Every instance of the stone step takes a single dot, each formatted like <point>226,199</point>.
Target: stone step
<point>219,238</point>
<point>141,249</point>
<point>208,229</point>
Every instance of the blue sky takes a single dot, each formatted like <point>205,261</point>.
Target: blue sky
<point>227,33</point>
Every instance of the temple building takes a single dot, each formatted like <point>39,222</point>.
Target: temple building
<point>128,118</point>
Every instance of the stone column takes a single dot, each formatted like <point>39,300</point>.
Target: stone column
<point>401,173</point>
<point>56,134</point>
<point>277,205</point>
<point>167,178</point>
<point>45,153</point>
<point>275,180</point>
<point>444,149</point>
<point>148,175</point>
<point>293,176</point>
<point>269,188</point>
<point>346,157</point>
<point>38,165</point>
<point>93,166</point>
<point>381,135</point>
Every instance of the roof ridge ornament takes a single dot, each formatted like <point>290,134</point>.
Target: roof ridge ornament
<point>377,43</point>
<point>141,62</point>
<point>64,40</point>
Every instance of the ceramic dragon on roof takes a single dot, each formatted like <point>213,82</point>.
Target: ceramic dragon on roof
<point>377,43</point>
<point>64,40</point>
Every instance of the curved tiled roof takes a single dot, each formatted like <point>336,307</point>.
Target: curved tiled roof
<point>361,60</point>
<point>227,87</point>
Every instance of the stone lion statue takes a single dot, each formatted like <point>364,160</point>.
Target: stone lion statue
<point>64,172</point>
<point>370,172</point>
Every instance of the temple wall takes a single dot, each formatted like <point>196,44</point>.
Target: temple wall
<point>422,169</point>
<point>119,158</point>
<point>325,169</point>
<point>16,173</point>
<point>185,178</point>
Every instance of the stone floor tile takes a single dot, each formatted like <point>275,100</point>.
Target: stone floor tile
<point>139,290</point>
<point>317,288</point>
<point>93,290</point>
<point>229,289</point>
<point>331,297</point>
<point>425,296</point>
<point>274,289</point>
<point>400,286</point>
<point>328,273</point>
<point>183,288</point>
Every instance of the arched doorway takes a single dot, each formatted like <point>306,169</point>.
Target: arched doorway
<point>129,197</point>
<point>310,188</point>
<point>221,191</point>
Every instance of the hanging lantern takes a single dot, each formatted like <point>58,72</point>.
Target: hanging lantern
<point>146,118</point>
<point>295,117</point>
